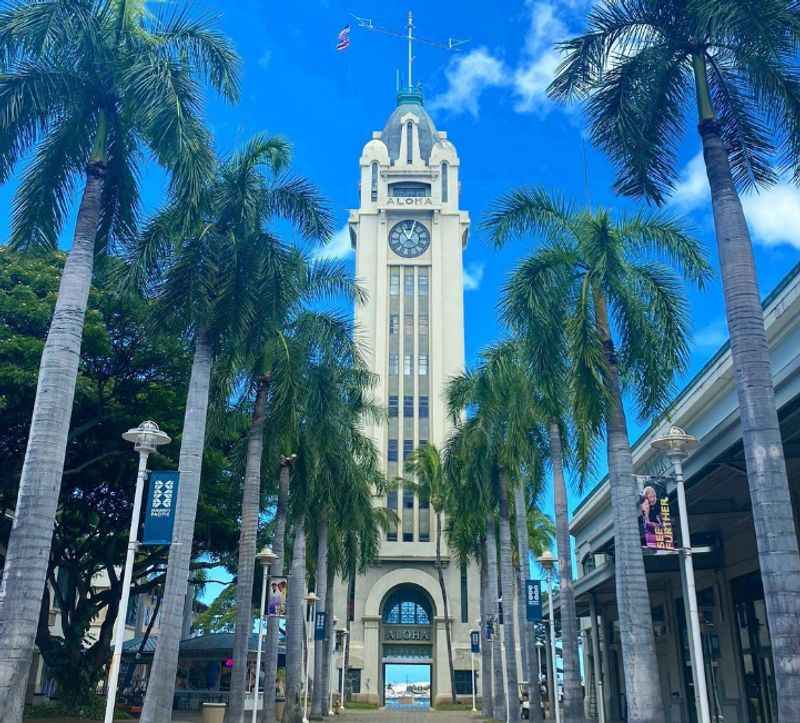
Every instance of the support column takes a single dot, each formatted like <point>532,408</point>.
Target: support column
<point>599,695</point>
<point>371,680</point>
<point>605,659</point>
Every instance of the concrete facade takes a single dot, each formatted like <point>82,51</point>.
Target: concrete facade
<point>412,332</point>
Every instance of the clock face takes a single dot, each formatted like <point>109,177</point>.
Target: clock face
<point>409,238</point>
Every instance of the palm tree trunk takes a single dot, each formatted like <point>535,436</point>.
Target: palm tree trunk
<point>443,589</point>
<point>776,536</point>
<point>295,628</point>
<point>330,637</point>
<point>28,553</point>
<point>278,547</point>
<point>321,578</point>
<point>486,653</point>
<point>633,600</point>
<point>507,593</point>
<point>247,555</point>
<point>161,688</point>
<point>573,703</point>
<point>528,642</point>
<point>499,697</point>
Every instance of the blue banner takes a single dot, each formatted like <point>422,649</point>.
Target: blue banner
<point>533,601</point>
<point>475,641</point>
<point>319,626</point>
<point>489,631</point>
<point>159,514</point>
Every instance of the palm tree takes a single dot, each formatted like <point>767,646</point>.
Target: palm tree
<point>87,87</point>
<point>638,64</point>
<point>204,264</point>
<point>600,293</point>
<point>281,341</point>
<point>426,468</point>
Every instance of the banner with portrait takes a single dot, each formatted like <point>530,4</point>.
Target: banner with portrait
<point>475,641</point>
<point>276,597</point>
<point>655,523</point>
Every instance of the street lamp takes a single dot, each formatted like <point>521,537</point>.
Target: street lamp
<point>547,561</point>
<point>311,599</point>
<point>676,445</point>
<point>266,557</point>
<point>145,438</point>
<point>330,668</point>
<point>344,632</point>
<point>503,654</point>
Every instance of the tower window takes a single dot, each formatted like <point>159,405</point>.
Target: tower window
<point>409,142</point>
<point>408,366</point>
<point>444,182</point>
<point>391,503</point>
<point>423,365</point>
<point>392,451</point>
<point>374,187</point>
<point>410,189</point>
<point>394,282</point>
<point>394,324</point>
<point>424,517</point>
<point>394,363</point>
<point>408,406</point>
<point>423,325</point>
<point>409,281</point>
<point>408,515</point>
<point>409,324</point>
<point>423,407</point>
<point>423,282</point>
<point>393,405</point>
<point>408,448</point>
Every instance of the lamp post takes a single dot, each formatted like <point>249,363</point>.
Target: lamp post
<point>331,661</point>
<point>472,665</point>
<point>546,560</point>
<point>344,632</point>
<point>676,445</point>
<point>503,654</point>
<point>145,438</point>
<point>266,557</point>
<point>311,599</point>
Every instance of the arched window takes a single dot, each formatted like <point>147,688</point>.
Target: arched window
<point>409,142</point>
<point>407,605</point>
<point>374,188</point>
<point>445,193</point>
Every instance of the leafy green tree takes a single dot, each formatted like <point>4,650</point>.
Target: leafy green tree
<point>640,65</point>
<point>127,373</point>
<point>603,294</point>
<point>87,87</point>
<point>427,470</point>
<point>204,264</point>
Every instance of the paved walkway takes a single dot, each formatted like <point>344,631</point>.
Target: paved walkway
<point>411,715</point>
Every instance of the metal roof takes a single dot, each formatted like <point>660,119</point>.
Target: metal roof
<point>392,131</point>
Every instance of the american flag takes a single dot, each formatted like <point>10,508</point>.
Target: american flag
<point>344,38</point>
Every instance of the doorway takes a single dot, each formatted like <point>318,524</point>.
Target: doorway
<point>406,685</point>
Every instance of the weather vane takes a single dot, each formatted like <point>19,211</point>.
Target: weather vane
<point>451,44</point>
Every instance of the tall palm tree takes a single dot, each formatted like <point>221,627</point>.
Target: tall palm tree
<point>87,87</point>
<point>282,340</point>
<point>426,468</point>
<point>639,64</point>
<point>204,264</point>
<point>601,293</point>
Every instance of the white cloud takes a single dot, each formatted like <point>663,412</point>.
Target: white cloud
<point>549,22</point>
<point>773,213</point>
<point>711,336</point>
<point>337,249</point>
<point>473,275</point>
<point>467,77</point>
<point>265,59</point>
<point>692,189</point>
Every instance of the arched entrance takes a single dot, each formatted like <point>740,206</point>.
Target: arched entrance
<point>407,639</point>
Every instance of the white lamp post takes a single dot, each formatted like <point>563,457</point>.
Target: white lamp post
<point>344,633</point>
<point>145,438</point>
<point>503,654</point>
<point>546,560</point>
<point>676,444</point>
<point>311,599</point>
<point>266,557</point>
<point>331,662</point>
<point>472,664</point>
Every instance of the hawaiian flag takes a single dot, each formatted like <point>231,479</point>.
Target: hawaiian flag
<point>344,39</point>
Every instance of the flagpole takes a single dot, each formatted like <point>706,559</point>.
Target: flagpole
<point>410,49</point>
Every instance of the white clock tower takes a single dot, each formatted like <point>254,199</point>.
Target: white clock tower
<point>409,234</point>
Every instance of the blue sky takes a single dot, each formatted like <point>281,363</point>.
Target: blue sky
<point>489,98</point>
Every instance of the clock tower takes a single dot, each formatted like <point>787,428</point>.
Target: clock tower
<point>409,234</point>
